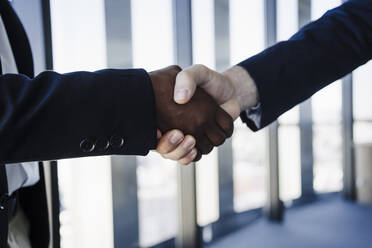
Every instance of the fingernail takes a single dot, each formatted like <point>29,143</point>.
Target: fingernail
<point>175,138</point>
<point>181,94</point>
<point>188,143</point>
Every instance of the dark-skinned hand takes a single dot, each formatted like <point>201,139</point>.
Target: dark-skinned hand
<point>202,118</point>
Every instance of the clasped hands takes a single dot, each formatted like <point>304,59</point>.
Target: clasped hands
<point>196,108</point>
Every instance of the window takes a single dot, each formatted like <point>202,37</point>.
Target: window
<point>207,168</point>
<point>327,117</point>
<point>76,33</point>
<point>289,132</point>
<point>248,148</point>
<point>156,177</point>
<point>249,168</point>
<point>362,101</point>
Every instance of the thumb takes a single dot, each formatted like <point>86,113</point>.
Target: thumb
<point>187,81</point>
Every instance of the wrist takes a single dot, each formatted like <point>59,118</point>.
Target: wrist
<point>245,89</point>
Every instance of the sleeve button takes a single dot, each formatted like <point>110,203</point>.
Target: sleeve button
<point>116,141</point>
<point>87,145</point>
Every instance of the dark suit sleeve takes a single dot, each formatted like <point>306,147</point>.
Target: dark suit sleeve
<point>320,53</point>
<point>54,116</point>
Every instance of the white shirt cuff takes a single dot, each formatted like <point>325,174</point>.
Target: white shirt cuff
<point>254,114</point>
<point>21,175</point>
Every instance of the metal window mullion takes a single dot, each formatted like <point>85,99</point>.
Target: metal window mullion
<point>349,187</point>
<point>306,121</point>
<point>222,62</point>
<point>306,150</point>
<point>48,48</point>
<point>123,169</point>
<point>273,207</point>
<point>52,167</point>
<point>349,190</point>
<point>188,233</point>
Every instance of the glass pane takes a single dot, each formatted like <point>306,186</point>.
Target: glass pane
<point>203,32</point>
<point>290,117</point>
<point>80,181</point>
<point>327,116</point>
<point>362,132</point>
<point>327,104</point>
<point>77,32</point>
<point>287,25</point>
<point>327,145</point>
<point>289,162</point>
<point>207,189</point>
<point>149,19</point>
<point>287,15</point>
<point>157,201</point>
<point>247,39</point>
<point>249,170</point>
<point>248,147</point>
<point>362,88</point>
<point>319,7</point>
<point>157,189</point>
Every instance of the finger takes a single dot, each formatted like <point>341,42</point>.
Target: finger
<point>189,157</point>
<point>215,135</point>
<point>232,107</point>
<point>169,141</point>
<point>204,145</point>
<point>158,134</point>
<point>198,157</point>
<point>187,81</point>
<point>182,149</point>
<point>225,122</point>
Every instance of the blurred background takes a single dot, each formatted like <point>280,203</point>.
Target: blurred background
<point>286,182</point>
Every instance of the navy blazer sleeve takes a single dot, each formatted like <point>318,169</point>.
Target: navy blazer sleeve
<point>320,53</point>
<point>54,116</point>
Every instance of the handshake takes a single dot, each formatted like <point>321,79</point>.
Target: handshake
<point>196,108</point>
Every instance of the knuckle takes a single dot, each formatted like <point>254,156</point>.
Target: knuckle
<point>201,67</point>
<point>219,141</point>
<point>227,125</point>
<point>197,66</point>
<point>217,138</point>
<point>184,161</point>
<point>185,73</point>
<point>176,67</point>
<point>230,130</point>
<point>160,149</point>
<point>198,157</point>
<point>209,149</point>
<point>164,156</point>
<point>163,149</point>
<point>171,157</point>
<point>189,138</point>
<point>205,149</point>
<point>201,123</point>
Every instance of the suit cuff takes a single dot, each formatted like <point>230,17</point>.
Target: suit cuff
<point>141,137</point>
